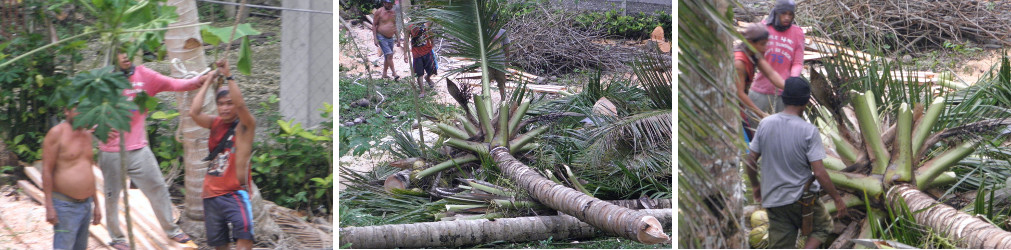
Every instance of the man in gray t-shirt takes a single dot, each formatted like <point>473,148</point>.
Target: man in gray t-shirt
<point>790,149</point>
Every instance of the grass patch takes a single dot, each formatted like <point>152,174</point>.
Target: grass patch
<point>396,109</point>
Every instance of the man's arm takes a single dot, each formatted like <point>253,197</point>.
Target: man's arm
<point>798,57</point>
<point>156,82</point>
<point>771,74</point>
<point>196,108</point>
<point>751,168</point>
<point>741,76</point>
<point>826,182</point>
<point>375,25</point>
<point>96,214</point>
<point>50,149</point>
<point>247,125</point>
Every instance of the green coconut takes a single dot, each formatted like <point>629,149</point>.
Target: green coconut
<point>759,237</point>
<point>759,218</point>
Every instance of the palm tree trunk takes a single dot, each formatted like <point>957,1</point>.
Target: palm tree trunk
<point>608,217</point>
<point>711,190</point>
<point>965,230</point>
<point>193,59</point>
<point>472,232</point>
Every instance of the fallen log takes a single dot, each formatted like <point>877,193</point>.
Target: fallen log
<point>965,230</point>
<point>843,242</point>
<point>472,232</point>
<point>637,204</point>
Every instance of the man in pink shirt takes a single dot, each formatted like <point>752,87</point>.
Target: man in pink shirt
<point>142,166</point>
<point>785,54</point>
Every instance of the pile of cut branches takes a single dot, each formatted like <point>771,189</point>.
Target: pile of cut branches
<point>548,42</point>
<point>911,25</point>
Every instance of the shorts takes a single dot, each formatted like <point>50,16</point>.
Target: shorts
<point>425,63</point>
<point>231,208</point>
<point>785,222</point>
<point>386,44</point>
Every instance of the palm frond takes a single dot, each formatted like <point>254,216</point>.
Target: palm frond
<point>468,24</point>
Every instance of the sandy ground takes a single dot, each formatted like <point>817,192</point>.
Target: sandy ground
<point>23,222</point>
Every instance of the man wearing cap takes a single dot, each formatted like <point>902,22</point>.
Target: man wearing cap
<point>384,29</point>
<point>792,150</point>
<point>785,55</point>
<point>745,63</point>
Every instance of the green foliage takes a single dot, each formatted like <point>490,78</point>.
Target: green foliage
<point>99,99</point>
<point>215,36</point>
<point>363,7</point>
<point>161,136</point>
<point>632,26</point>
<point>295,169</point>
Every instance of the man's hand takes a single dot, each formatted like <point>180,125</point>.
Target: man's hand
<point>51,216</point>
<point>96,216</point>
<point>841,210</point>
<point>757,194</point>
<point>223,68</point>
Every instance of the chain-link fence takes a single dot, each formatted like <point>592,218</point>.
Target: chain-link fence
<point>306,60</point>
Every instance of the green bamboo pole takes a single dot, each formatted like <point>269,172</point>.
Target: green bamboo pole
<point>503,123</point>
<point>516,204</point>
<point>552,177</point>
<point>523,139</point>
<point>943,162</point>
<point>872,104</point>
<point>480,149</point>
<point>467,125</point>
<point>526,148</point>
<point>845,150</point>
<point>575,181</point>
<point>869,128</point>
<point>833,163</point>
<point>484,117</point>
<point>904,163</point>
<point>458,208</point>
<point>848,199</point>
<point>489,189</point>
<point>852,181</point>
<point>929,118</point>
<point>452,132</point>
<point>517,116</point>
<point>945,178</point>
<point>444,165</point>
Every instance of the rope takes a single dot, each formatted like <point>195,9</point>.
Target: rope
<point>270,7</point>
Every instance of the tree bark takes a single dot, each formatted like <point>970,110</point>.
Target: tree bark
<point>471,232</point>
<point>965,230</point>
<point>608,217</point>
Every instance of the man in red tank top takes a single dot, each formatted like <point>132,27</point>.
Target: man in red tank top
<point>226,185</point>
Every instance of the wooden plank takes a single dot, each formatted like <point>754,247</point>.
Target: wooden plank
<point>32,191</point>
<point>143,212</point>
<point>33,173</point>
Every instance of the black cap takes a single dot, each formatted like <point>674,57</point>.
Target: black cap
<point>796,91</point>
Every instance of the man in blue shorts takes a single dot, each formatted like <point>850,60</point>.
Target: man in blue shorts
<point>384,28</point>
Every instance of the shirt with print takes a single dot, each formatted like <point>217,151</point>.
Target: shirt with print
<point>787,145</point>
<point>223,181</point>
<point>785,53</point>
<point>152,83</point>
<point>423,49</point>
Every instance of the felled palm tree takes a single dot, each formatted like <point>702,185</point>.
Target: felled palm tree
<point>894,150</point>
<point>493,133</point>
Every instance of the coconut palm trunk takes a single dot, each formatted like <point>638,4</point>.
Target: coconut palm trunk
<point>965,230</point>
<point>472,232</point>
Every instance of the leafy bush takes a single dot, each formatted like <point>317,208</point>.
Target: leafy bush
<point>295,168</point>
<point>632,26</point>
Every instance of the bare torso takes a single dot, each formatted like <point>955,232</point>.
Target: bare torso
<point>386,20</point>
<point>73,175</point>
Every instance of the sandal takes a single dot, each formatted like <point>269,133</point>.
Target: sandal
<point>181,238</point>
<point>119,245</point>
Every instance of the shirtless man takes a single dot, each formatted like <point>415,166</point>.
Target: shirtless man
<point>384,29</point>
<point>69,184</point>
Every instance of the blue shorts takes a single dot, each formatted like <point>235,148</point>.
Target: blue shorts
<point>386,44</point>
<point>231,208</point>
<point>75,217</point>
<point>425,63</point>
